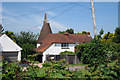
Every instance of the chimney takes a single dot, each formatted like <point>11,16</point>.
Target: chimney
<point>66,34</point>
<point>88,33</point>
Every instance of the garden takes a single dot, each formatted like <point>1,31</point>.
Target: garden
<point>101,58</point>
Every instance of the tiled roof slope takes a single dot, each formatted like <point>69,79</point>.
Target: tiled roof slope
<point>44,32</point>
<point>62,38</point>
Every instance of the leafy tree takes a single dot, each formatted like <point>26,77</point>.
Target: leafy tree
<point>78,33</point>
<point>83,32</point>
<point>62,32</point>
<point>11,35</point>
<point>71,31</point>
<point>27,41</point>
<point>1,29</point>
<point>26,37</point>
<point>117,35</point>
<point>108,37</point>
<point>28,49</point>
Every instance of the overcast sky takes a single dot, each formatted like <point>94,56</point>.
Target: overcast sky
<point>28,16</point>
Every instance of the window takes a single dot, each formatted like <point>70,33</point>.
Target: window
<point>76,43</point>
<point>65,45</point>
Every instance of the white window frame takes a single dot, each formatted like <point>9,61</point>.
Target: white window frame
<point>64,45</point>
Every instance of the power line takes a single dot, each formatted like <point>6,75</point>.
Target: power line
<point>35,26</point>
<point>41,11</point>
<point>75,4</point>
<point>37,11</point>
<point>60,13</point>
<point>84,6</point>
<point>63,11</point>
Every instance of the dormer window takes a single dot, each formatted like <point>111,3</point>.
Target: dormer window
<point>64,45</point>
<point>76,43</point>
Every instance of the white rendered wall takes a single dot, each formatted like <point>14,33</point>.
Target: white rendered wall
<point>19,56</point>
<point>38,45</point>
<point>55,49</point>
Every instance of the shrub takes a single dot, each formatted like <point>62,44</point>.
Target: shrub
<point>92,52</point>
<point>67,52</point>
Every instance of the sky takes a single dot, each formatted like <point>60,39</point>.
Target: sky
<point>119,14</point>
<point>59,0</point>
<point>29,16</point>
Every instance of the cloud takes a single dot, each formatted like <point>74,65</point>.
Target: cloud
<point>8,12</point>
<point>50,13</point>
<point>39,27</point>
<point>10,19</point>
<point>58,25</point>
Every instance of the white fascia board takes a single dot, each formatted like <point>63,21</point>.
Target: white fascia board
<point>10,50</point>
<point>12,44</point>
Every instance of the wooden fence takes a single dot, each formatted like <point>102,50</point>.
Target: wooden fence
<point>69,58</point>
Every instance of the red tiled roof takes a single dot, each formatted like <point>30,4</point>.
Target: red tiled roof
<point>62,38</point>
<point>44,32</point>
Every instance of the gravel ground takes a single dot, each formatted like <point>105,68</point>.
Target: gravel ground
<point>76,67</point>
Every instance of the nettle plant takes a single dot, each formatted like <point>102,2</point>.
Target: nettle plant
<point>11,71</point>
<point>57,69</point>
<point>51,69</point>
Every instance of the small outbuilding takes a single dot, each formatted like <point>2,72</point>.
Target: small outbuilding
<point>9,49</point>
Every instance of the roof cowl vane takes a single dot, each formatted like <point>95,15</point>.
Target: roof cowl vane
<point>45,18</point>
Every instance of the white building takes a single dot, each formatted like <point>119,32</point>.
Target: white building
<point>53,44</point>
<point>9,49</point>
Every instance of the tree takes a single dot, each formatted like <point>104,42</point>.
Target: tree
<point>1,29</point>
<point>27,49</point>
<point>62,32</point>
<point>116,38</point>
<point>83,32</point>
<point>108,37</point>
<point>26,37</point>
<point>71,31</point>
<point>11,35</point>
<point>27,41</point>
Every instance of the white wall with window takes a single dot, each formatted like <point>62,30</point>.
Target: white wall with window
<point>57,48</point>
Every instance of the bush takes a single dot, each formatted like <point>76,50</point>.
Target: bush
<point>32,57</point>
<point>92,52</point>
<point>67,52</point>
<point>98,52</point>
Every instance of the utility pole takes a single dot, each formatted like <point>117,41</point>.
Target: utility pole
<point>93,16</point>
